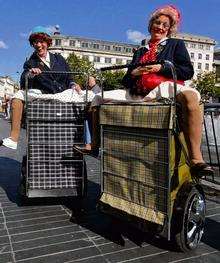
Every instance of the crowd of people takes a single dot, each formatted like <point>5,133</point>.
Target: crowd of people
<point>141,82</point>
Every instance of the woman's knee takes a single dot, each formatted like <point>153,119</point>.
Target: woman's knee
<point>189,100</point>
<point>16,104</point>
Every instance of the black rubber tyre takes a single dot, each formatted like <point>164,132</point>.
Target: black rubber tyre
<point>190,222</point>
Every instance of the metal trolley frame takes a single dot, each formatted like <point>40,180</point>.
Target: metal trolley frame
<point>52,167</point>
<point>145,172</point>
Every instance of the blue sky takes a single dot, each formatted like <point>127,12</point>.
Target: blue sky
<point>101,19</point>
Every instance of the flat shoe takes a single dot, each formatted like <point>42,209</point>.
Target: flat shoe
<point>9,143</point>
<point>201,170</point>
<point>81,149</point>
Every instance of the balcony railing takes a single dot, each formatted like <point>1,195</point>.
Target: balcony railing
<point>211,139</point>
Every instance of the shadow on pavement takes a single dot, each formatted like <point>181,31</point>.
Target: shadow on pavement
<point>10,177</point>
<point>111,228</point>
<point>212,233</point>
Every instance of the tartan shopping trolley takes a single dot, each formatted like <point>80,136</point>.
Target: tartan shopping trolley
<point>52,167</point>
<point>146,178</point>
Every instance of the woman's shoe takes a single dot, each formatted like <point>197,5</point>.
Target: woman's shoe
<point>9,143</point>
<point>82,149</point>
<point>201,170</point>
<point>86,151</point>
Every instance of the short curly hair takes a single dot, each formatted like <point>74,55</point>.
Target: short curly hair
<point>40,37</point>
<point>171,12</point>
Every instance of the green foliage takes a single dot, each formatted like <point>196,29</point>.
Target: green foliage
<point>81,65</point>
<point>206,84</point>
<point>112,79</point>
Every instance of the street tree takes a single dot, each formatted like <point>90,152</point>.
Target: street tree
<point>109,79</point>
<point>205,84</point>
<point>112,79</point>
<point>81,65</point>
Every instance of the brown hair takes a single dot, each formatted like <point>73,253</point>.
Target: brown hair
<point>40,37</point>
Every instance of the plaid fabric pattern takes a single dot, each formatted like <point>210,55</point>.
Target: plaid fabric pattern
<point>55,175</point>
<point>133,209</point>
<point>56,111</point>
<point>53,128</point>
<point>42,132</point>
<point>155,116</point>
<point>135,171</point>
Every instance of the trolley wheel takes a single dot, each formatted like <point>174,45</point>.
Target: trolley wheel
<point>191,222</point>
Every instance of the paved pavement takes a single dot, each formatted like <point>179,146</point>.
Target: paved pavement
<point>46,230</point>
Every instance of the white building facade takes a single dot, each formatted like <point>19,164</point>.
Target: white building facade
<point>7,86</point>
<point>106,53</point>
<point>101,53</point>
<point>201,51</point>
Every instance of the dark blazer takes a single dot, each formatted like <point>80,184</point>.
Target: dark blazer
<point>171,49</point>
<point>47,83</point>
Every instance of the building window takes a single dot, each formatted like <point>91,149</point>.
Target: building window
<point>199,56</point>
<point>199,65</point>
<point>96,59</point>
<point>118,61</point>
<point>128,61</point>
<point>86,57</point>
<point>107,47</point>
<point>192,63</point>
<point>186,44</point>
<point>108,60</point>
<point>201,46</point>
<point>207,56</point>
<point>192,55</point>
<point>85,44</point>
<point>57,42</point>
<point>96,46</point>
<point>193,45</point>
<point>206,66</point>
<point>207,47</point>
<point>128,49</point>
<point>117,49</point>
<point>72,43</point>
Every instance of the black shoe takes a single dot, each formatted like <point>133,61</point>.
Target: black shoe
<point>201,170</point>
<point>81,149</point>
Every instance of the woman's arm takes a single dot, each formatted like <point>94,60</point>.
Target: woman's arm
<point>181,61</point>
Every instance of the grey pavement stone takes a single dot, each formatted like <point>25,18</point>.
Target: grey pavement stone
<point>6,257</point>
<point>65,256</point>
<point>46,233</point>
<point>46,241</point>
<point>76,246</point>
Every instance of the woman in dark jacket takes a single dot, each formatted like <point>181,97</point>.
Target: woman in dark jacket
<point>147,82</point>
<point>41,60</point>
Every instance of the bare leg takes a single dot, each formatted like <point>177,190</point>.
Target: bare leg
<point>192,124</point>
<point>17,110</point>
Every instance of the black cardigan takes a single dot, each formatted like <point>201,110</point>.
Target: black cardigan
<point>171,49</point>
<point>47,83</point>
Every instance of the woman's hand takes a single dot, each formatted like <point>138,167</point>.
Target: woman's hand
<point>35,71</point>
<point>146,70</point>
<point>77,88</point>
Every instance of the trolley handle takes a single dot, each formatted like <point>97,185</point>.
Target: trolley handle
<point>131,65</point>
